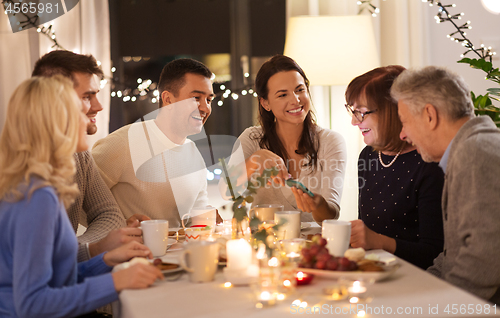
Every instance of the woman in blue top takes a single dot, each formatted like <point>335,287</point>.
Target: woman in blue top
<point>39,273</point>
<point>399,194</point>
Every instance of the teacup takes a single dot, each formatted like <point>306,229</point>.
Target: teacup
<point>337,234</point>
<point>201,216</point>
<point>265,212</point>
<point>197,233</point>
<point>291,227</point>
<point>155,236</point>
<point>202,260</point>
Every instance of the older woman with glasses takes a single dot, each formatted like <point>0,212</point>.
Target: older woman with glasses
<point>399,194</point>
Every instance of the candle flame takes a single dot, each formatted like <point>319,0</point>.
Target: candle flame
<point>265,295</point>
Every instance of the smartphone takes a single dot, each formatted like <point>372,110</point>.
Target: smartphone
<point>298,185</point>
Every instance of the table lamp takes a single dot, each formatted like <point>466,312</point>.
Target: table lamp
<point>332,50</point>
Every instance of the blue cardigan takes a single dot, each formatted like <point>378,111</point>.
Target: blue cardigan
<point>39,273</point>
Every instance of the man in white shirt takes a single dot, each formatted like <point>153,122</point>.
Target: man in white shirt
<point>150,166</point>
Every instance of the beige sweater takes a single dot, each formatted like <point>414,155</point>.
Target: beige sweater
<point>94,207</point>
<point>149,174</point>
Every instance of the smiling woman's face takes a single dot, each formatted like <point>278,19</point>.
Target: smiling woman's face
<point>369,126</point>
<point>288,97</point>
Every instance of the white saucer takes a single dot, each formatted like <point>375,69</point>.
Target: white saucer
<point>304,225</point>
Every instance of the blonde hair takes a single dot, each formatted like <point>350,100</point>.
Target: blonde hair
<point>39,139</point>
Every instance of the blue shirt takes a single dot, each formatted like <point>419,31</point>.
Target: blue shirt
<point>444,159</point>
<point>39,273</point>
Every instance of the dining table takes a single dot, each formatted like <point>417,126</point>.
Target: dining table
<point>408,292</point>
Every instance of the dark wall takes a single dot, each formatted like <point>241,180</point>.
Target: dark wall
<point>167,29</point>
<point>193,27</point>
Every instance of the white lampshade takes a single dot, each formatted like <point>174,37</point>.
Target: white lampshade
<point>492,6</point>
<point>332,50</point>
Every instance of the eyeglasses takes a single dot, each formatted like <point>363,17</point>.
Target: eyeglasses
<point>360,116</point>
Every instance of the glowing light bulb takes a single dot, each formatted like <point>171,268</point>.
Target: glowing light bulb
<point>210,175</point>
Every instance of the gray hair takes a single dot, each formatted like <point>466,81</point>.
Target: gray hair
<point>437,86</point>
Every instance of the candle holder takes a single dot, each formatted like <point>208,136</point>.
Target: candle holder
<point>336,292</point>
<point>304,278</point>
<point>264,296</point>
<point>225,229</point>
<point>240,269</point>
<point>287,279</point>
<point>292,248</point>
<point>357,289</point>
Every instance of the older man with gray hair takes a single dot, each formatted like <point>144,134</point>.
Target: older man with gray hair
<point>437,113</point>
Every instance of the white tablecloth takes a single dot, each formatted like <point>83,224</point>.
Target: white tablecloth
<point>409,292</point>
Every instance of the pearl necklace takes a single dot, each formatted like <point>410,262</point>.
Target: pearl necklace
<point>390,163</point>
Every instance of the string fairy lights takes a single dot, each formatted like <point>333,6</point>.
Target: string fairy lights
<point>368,6</point>
<point>147,90</point>
<point>459,35</point>
<point>28,21</point>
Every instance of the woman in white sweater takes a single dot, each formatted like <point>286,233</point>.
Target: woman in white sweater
<point>289,139</point>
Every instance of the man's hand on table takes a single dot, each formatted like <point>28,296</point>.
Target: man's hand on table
<point>116,238</point>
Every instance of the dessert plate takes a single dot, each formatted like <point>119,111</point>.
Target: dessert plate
<point>389,269</point>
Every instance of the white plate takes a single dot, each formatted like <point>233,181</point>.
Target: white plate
<point>304,225</point>
<point>171,242</point>
<point>375,276</point>
<point>174,270</point>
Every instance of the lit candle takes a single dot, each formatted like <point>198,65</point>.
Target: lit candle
<point>239,254</point>
<point>266,298</point>
<point>357,292</point>
<point>293,255</point>
<point>304,278</point>
<point>356,288</point>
